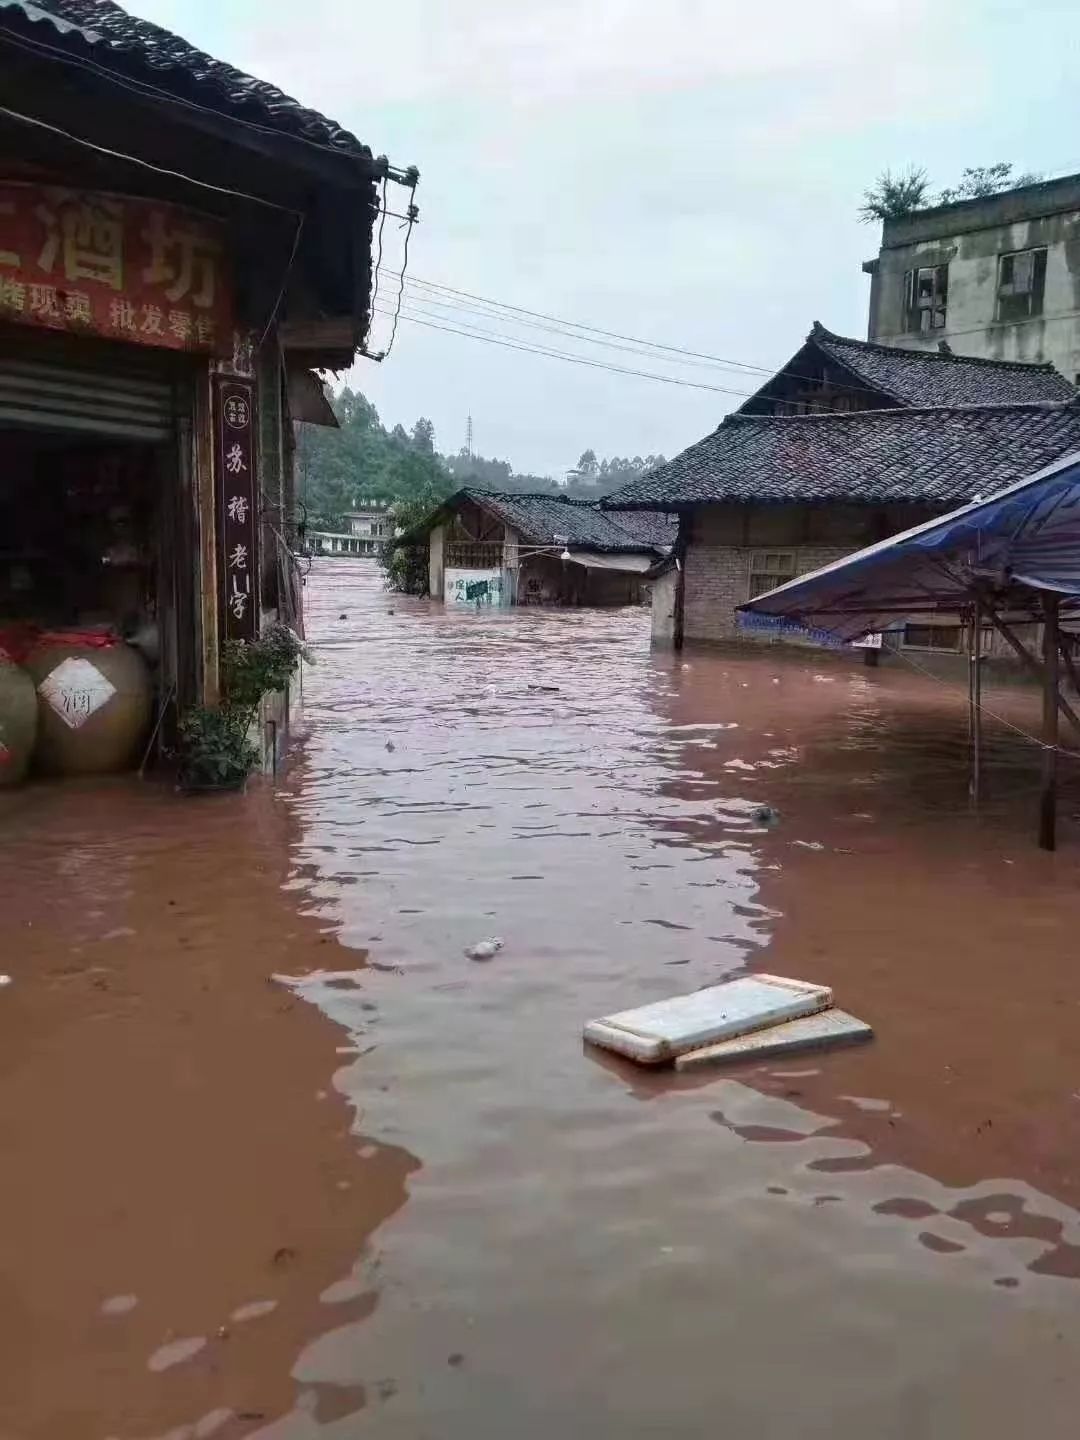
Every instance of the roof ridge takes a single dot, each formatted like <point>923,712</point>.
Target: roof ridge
<point>547,497</point>
<point>822,334</point>
<point>737,417</point>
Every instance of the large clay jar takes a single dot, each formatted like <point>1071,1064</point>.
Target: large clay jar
<point>18,720</point>
<point>94,702</point>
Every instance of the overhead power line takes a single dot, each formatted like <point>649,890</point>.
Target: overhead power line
<point>458,310</point>
<point>571,330</point>
<point>593,329</point>
<point>490,337</point>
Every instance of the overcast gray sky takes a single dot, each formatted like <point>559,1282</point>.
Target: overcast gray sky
<point>685,171</point>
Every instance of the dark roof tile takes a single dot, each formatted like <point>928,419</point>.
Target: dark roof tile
<point>580,524</point>
<point>938,456</point>
<point>115,39</point>
<point>551,520</point>
<point>927,377</point>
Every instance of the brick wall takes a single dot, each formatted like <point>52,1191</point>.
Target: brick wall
<point>718,579</point>
<point>723,539</point>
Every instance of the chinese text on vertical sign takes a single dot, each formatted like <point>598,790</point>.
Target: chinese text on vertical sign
<point>95,264</point>
<point>234,421</point>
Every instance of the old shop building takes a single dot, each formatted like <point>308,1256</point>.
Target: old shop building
<point>486,548</point>
<point>179,245</point>
<point>848,443</point>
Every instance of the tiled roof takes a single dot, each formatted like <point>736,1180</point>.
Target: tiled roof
<point>921,377</point>
<point>560,520</point>
<point>938,456</point>
<point>649,527</point>
<point>137,50</point>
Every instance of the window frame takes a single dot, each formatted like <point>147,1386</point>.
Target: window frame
<point>937,309</point>
<point>777,576</point>
<point>953,626</point>
<point>1036,296</point>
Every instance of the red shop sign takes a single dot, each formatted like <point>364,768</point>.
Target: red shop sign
<point>134,270</point>
<point>238,560</point>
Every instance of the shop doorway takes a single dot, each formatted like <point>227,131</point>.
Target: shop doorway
<point>97,533</point>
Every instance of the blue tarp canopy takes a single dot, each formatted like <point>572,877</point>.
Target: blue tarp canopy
<point>1007,548</point>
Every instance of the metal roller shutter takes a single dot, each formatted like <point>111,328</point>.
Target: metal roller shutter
<point>124,403</point>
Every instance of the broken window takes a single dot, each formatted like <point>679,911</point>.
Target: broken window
<point>1021,282</point>
<point>926,295</point>
<point>770,568</point>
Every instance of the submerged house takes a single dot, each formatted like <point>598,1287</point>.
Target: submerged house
<point>849,443</point>
<point>488,548</point>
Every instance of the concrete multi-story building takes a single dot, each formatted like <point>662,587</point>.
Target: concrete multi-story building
<point>996,277</point>
<point>367,527</point>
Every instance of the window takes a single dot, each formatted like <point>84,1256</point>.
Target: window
<point>770,568</point>
<point>1021,282</point>
<point>926,295</point>
<point>932,637</point>
<point>473,556</point>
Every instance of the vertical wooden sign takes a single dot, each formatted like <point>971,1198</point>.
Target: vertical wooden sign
<point>238,520</point>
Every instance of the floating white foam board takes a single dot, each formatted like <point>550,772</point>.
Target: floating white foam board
<point>654,1033</point>
<point>809,1032</point>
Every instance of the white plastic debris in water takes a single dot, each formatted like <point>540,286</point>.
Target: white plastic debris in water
<point>809,1032</point>
<point>5,980</point>
<point>175,1352</point>
<point>654,1033</point>
<point>484,949</point>
<point>118,1304</point>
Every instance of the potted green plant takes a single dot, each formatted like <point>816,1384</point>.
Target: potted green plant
<point>215,750</point>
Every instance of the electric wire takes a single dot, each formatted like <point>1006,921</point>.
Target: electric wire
<point>985,710</point>
<point>378,257</point>
<point>490,339</point>
<point>410,222</point>
<point>499,306</point>
<point>39,47</point>
<point>500,310</point>
<point>145,164</point>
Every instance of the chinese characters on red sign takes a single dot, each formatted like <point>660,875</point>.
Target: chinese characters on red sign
<point>234,421</point>
<point>133,270</point>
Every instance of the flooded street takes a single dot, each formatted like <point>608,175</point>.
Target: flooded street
<point>395,1196</point>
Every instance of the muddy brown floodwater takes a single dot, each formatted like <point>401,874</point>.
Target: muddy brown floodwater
<point>397,1197</point>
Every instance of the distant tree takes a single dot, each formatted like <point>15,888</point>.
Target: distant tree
<point>587,467</point>
<point>423,436</point>
<point>406,566</point>
<point>893,196</point>
<point>469,469</point>
<point>360,458</point>
<point>979,180</point>
<point>611,474</point>
<point>363,458</point>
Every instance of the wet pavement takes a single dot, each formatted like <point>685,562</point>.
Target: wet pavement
<point>416,1206</point>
